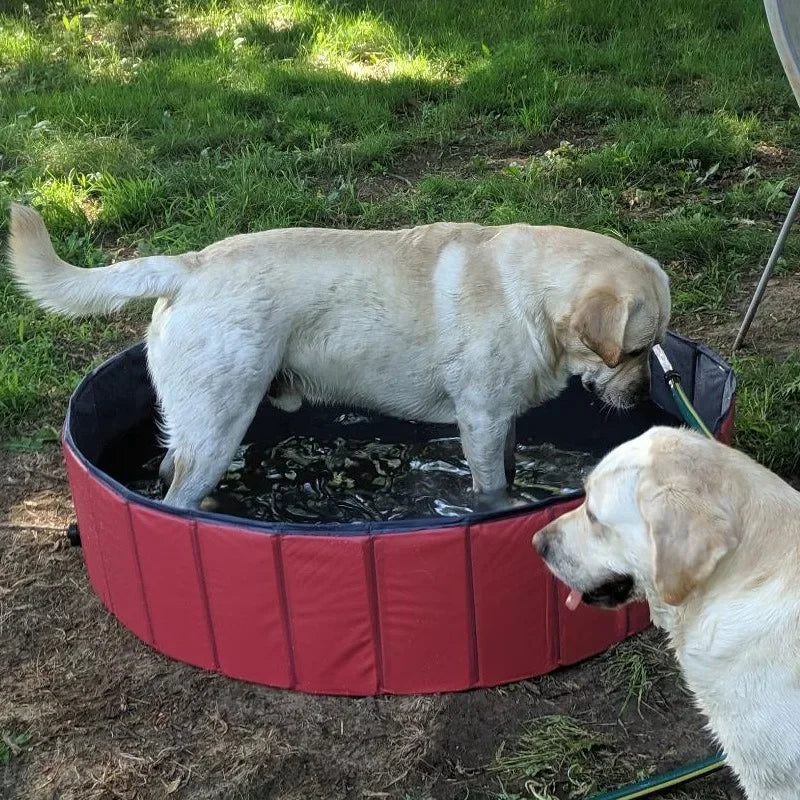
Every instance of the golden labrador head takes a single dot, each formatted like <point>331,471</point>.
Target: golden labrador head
<point>658,519</point>
<point>612,325</point>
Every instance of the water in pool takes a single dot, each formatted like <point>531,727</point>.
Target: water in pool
<point>304,480</point>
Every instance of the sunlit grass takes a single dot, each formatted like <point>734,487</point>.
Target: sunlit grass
<point>150,126</point>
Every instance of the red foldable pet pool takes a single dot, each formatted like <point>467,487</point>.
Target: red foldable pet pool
<point>401,607</point>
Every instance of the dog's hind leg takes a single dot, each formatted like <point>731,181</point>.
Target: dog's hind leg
<point>204,435</point>
<point>210,381</point>
<point>509,459</point>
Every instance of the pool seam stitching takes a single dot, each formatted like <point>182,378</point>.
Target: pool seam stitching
<point>474,664</point>
<point>280,575</point>
<point>140,575</point>
<point>201,577</point>
<point>375,615</point>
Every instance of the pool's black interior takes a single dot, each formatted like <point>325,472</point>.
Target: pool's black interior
<point>348,480</point>
<point>112,423</point>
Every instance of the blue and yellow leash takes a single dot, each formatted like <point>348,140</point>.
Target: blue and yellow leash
<point>675,777</point>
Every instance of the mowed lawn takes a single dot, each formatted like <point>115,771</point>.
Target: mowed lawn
<point>138,126</point>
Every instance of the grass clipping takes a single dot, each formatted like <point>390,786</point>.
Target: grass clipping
<point>636,669</point>
<point>554,752</point>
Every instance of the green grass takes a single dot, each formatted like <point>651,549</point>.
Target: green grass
<point>769,411</point>
<point>12,745</point>
<point>558,757</point>
<point>137,125</point>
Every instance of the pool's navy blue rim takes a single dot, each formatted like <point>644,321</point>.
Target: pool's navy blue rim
<point>366,528</point>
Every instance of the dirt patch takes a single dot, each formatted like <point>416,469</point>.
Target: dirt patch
<point>469,156</point>
<point>476,156</point>
<point>775,331</point>
<point>776,160</point>
<point>109,718</point>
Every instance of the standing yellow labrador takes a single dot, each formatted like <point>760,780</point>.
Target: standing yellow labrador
<point>711,540</point>
<point>440,323</point>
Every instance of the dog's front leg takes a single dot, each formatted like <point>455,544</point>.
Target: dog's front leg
<point>484,439</point>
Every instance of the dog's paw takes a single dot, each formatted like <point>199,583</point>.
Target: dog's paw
<point>223,504</point>
<point>497,501</point>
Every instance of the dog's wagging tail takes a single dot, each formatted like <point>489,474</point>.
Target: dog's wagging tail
<point>73,291</point>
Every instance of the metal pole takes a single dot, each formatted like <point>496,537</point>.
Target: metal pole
<point>767,274</point>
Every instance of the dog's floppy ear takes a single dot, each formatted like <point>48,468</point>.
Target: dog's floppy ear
<point>690,528</point>
<point>600,320</point>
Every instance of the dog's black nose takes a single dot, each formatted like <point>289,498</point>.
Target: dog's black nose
<point>642,394</point>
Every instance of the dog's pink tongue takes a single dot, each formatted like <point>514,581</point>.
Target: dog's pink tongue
<point>574,599</point>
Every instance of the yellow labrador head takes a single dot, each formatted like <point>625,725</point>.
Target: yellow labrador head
<point>658,519</point>
<point>612,326</point>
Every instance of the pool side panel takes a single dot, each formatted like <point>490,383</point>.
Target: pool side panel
<point>638,617</point>
<point>726,430</point>
<point>427,634</point>
<point>244,601</point>
<point>512,585</point>
<point>81,485</point>
<point>585,631</point>
<point>114,538</point>
<point>173,586</point>
<point>328,596</point>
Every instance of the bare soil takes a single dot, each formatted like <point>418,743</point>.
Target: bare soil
<point>473,155</point>
<point>775,331</point>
